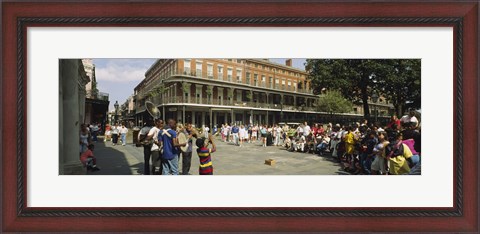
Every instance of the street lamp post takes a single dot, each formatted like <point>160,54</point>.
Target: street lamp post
<point>375,99</point>
<point>116,111</point>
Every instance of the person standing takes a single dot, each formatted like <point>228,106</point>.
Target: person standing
<point>242,134</point>
<point>155,150</point>
<point>147,145</point>
<point>170,148</point>
<point>187,154</point>
<point>225,133</point>
<point>85,138</point>
<point>94,128</point>
<point>306,129</point>
<point>278,135</point>
<point>204,154</point>
<point>115,134</point>
<point>235,130</point>
<point>207,129</point>
<point>123,134</point>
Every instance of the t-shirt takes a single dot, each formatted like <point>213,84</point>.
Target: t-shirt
<point>154,134</point>
<point>306,130</point>
<point>408,119</point>
<point>189,142</point>
<point>115,130</point>
<point>169,151</point>
<point>235,129</point>
<point>123,130</point>
<point>206,167</point>
<point>85,155</point>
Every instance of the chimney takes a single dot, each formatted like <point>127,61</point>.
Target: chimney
<point>288,62</point>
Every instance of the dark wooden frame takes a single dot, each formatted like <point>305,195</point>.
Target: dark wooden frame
<point>462,16</point>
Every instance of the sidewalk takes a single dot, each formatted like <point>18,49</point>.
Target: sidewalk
<point>118,159</point>
<point>228,160</point>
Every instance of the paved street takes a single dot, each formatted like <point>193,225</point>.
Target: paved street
<point>228,160</point>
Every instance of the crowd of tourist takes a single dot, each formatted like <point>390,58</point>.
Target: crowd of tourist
<point>361,148</point>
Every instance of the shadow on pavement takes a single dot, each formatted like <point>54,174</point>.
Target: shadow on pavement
<point>113,162</point>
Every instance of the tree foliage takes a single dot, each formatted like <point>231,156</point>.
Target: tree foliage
<point>398,80</point>
<point>401,84</point>
<point>333,102</point>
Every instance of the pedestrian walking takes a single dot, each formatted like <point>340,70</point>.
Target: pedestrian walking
<point>123,132</point>
<point>115,131</point>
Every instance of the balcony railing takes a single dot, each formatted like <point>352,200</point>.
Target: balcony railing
<point>226,102</point>
<point>97,95</point>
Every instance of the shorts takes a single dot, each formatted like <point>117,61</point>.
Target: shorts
<point>378,164</point>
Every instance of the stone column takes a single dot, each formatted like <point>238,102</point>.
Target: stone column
<point>203,117</point>
<point>179,117</point>
<point>72,78</point>
<point>175,93</point>
<point>244,118</point>
<point>193,118</point>
<point>220,93</point>
<point>215,118</point>
<point>199,91</point>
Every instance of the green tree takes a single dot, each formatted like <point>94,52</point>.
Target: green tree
<point>398,80</point>
<point>401,84</point>
<point>352,77</point>
<point>333,102</point>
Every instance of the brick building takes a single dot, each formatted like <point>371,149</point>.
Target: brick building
<point>216,91</point>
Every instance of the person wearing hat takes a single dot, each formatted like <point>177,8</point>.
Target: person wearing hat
<point>205,155</point>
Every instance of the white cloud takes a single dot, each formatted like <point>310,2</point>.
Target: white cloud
<point>121,70</point>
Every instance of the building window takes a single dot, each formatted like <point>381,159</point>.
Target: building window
<point>210,71</point>
<point>277,83</point>
<point>289,85</point>
<point>239,76</point>
<point>248,78</point>
<point>355,110</point>
<point>239,61</point>
<point>283,84</point>
<point>263,80</point>
<point>255,79</point>
<point>229,74</point>
<point>270,81</point>
<point>220,72</point>
<point>295,86</point>
<point>186,67</point>
<point>198,69</point>
<point>230,60</point>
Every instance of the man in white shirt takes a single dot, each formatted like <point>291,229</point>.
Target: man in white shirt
<point>155,150</point>
<point>278,135</point>
<point>306,129</point>
<point>206,130</point>
<point>410,118</point>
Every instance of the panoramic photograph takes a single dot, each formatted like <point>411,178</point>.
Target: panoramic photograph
<point>239,116</point>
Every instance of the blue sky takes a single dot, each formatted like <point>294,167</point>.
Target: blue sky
<point>118,77</point>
